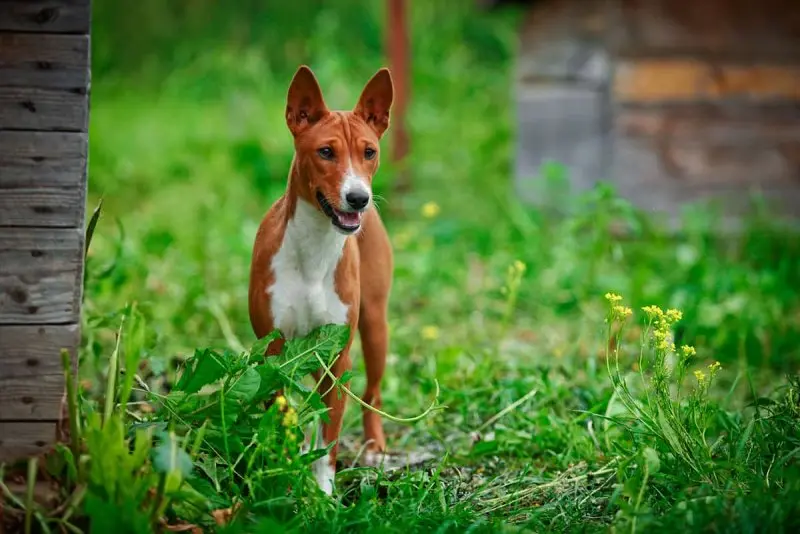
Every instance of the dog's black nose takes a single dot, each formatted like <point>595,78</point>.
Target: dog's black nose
<point>357,199</point>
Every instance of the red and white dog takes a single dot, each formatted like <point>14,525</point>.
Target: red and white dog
<point>322,254</point>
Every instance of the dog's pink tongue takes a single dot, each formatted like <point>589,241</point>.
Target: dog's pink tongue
<point>347,218</point>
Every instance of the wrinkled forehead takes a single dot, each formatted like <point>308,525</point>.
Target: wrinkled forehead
<point>344,127</point>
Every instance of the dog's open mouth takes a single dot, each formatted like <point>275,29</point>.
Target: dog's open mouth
<point>347,221</point>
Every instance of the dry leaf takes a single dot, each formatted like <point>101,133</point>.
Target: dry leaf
<point>182,527</point>
<point>223,515</point>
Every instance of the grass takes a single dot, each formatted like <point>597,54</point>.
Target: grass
<point>557,411</point>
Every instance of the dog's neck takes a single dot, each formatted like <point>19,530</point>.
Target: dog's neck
<point>310,242</point>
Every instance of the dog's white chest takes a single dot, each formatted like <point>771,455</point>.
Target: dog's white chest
<point>303,295</point>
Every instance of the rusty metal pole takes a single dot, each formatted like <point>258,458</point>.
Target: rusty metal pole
<point>398,51</point>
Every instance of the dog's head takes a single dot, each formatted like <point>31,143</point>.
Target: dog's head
<point>337,152</point>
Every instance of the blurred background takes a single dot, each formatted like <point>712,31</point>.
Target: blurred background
<point>523,148</point>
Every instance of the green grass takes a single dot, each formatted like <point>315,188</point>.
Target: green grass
<point>545,424</point>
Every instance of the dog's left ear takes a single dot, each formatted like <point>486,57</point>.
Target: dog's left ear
<point>376,100</point>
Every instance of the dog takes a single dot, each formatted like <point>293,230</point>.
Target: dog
<point>322,254</point>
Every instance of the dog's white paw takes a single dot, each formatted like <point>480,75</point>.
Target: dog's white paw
<point>324,474</point>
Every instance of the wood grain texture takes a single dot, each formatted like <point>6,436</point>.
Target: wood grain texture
<point>743,30</point>
<point>561,41</point>
<point>50,207</point>
<point>700,147</point>
<point>19,440</point>
<point>39,159</point>
<point>650,81</point>
<point>42,179</point>
<point>31,376</point>
<point>24,108</point>
<point>560,123</point>
<point>44,60</point>
<point>41,275</point>
<point>52,16</point>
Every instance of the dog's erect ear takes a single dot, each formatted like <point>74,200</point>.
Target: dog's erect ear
<point>376,100</point>
<point>304,103</point>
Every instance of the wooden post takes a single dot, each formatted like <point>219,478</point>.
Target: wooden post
<point>398,48</point>
<point>44,107</point>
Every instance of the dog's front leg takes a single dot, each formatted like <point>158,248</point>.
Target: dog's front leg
<point>325,467</point>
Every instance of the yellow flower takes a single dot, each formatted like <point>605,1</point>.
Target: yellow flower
<point>613,297</point>
<point>622,311</point>
<point>654,312</point>
<point>700,376</point>
<point>430,332</point>
<point>280,400</point>
<point>430,210</point>
<point>688,351</point>
<point>714,367</point>
<point>290,417</point>
<point>674,315</point>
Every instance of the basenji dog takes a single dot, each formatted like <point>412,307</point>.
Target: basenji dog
<point>322,254</point>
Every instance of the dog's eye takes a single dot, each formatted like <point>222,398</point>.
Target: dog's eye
<point>325,152</point>
<point>370,153</point>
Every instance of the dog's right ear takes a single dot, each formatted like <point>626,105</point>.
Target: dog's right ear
<point>304,103</point>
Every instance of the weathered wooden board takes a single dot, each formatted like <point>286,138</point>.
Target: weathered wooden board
<point>564,124</point>
<point>42,178</point>
<point>41,276</point>
<point>724,29</point>
<point>43,109</point>
<point>561,76</point>
<point>31,375</point>
<point>52,16</point>
<point>34,159</point>
<point>658,81</point>
<point>665,158</point>
<point>562,40</point>
<point>44,60</point>
<point>714,147</point>
<point>39,207</point>
<point>22,439</point>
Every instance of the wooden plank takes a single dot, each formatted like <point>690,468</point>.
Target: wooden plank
<point>41,275</point>
<point>52,16</point>
<point>650,81</point>
<point>565,124</point>
<point>40,159</point>
<point>19,440</point>
<point>42,178</point>
<point>31,376</point>
<point>732,29</point>
<point>398,49</point>
<point>563,41</point>
<point>700,147</point>
<point>52,207</point>
<point>43,109</point>
<point>44,60</point>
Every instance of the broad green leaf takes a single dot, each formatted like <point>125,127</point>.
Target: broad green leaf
<point>245,387</point>
<point>214,499</point>
<point>259,348</point>
<point>201,369</point>
<point>271,379</point>
<point>298,356</point>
